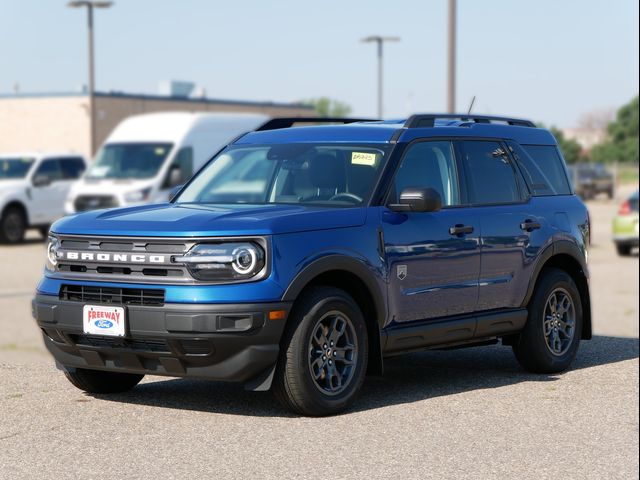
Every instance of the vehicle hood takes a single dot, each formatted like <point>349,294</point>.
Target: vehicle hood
<point>188,220</point>
<point>8,187</point>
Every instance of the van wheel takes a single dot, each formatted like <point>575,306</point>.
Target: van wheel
<point>323,355</point>
<point>44,231</point>
<point>95,381</point>
<point>550,339</point>
<point>12,225</point>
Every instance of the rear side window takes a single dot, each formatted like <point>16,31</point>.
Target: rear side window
<point>544,170</point>
<point>490,176</point>
<point>72,167</point>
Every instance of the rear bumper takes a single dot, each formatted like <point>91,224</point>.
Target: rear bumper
<point>219,342</point>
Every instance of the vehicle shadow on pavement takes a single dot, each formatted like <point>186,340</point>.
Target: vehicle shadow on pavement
<point>408,378</point>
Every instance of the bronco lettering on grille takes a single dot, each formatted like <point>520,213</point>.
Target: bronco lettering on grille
<point>113,257</point>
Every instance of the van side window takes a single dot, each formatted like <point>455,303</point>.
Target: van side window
<point>183,161</point>
<point>490,176</point>
<point>49,168</point>
<point>428,165</point>
<point>72,167</point>
<point>550,163</point>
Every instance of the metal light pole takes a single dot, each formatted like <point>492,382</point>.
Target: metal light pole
<point>451,70</point>
<point>90,5</point>
<point>380,40</point>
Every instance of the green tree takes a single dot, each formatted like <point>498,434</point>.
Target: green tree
<point>326,107</point>
<point>622,144</point>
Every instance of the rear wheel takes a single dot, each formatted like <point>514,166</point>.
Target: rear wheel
<point>623,250</point>
<point>324,354</point>
<point>12,225</point>
<point>44,231</point>
<point>550,339</point>
<point>95,381</point>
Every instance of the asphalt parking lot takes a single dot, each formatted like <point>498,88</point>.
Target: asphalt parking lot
<point>441,414</point>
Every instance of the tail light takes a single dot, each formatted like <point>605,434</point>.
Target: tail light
<point>625,208</point>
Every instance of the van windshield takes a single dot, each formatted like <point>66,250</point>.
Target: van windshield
<point>129,160</point>
<point>14,167</point>
<point>312,174</point>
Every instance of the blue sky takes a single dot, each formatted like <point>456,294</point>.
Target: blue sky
<point>547,60</point>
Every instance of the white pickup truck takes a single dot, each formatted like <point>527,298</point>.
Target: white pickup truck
<point>33,190</point>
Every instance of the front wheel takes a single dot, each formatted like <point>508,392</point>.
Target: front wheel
<point>324,353</point>
<point>550,339</point>
<point>12,225</point>
<point>95,381</point>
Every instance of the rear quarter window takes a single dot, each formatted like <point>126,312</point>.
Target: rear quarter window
<point>543,169</point>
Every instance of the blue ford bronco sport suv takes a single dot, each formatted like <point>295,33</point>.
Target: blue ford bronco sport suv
<point>299,258</point>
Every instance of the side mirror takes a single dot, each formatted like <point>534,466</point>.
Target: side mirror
<point>41,180</point>
<point>174,191</point>
<point>418,199</point>
<point>175,176</point>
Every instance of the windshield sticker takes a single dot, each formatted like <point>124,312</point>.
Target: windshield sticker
<point>362,158</point>
<point>159,151</point>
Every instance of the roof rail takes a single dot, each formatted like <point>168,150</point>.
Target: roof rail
<point>286,122</point>
<point>429,119</point>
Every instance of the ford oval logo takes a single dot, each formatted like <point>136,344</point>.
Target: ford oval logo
<point>103,324</point>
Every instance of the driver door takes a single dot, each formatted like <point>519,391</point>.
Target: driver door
<point>433,257</point>
<point>47,199</point>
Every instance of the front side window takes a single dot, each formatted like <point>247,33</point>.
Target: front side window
<point>312,174</point>
<point>129,161</point>
<point>491,179</point>
<point>49,169</point>
<point>428,165</point>
<point>183,164</point>
<point>12,168</point>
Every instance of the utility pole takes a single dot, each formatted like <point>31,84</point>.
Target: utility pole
<point>379,40</point>
<point>90,5</point>
<point>451,70</point>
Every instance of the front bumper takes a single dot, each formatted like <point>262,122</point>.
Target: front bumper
<point>220,342</point>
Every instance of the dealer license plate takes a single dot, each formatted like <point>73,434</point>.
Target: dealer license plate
<point>102,320</point>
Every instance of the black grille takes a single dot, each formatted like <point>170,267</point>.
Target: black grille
<point>159,346</point>
<point>106,295</point>
<point>93,202</point>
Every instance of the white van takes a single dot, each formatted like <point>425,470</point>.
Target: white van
<point>33,190</point>
<point>148,155</point>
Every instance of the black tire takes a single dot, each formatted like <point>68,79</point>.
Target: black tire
<point>610,193</point>
<point>294,385</point>
<point>95,381</point>
<point>531,347</point>
<point>12,225</point>
<point>44,231</point>
<point>623,250</point>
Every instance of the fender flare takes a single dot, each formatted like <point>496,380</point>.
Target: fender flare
<point>365,273</point>
<point>571,249</point>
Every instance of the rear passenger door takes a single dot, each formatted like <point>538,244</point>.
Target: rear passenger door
<point>510,229</point>
<point>433,258</point>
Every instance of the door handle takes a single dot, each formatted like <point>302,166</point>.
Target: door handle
<point>460,229</point>
<point>529,225</point>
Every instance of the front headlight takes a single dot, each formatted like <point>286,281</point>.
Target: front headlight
<point>224,261</point>
<point>52,254</point>
<point>137,195</point>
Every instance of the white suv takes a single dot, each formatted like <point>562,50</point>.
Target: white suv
<point>33,189</point>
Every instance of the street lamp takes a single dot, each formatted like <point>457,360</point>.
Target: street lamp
<point>380,40</point>
<point>90,5</point>
<point>451,59</point>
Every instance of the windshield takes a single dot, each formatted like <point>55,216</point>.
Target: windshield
<point>331,175</point>
<point>129,160</point>
<point>14,167</point>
